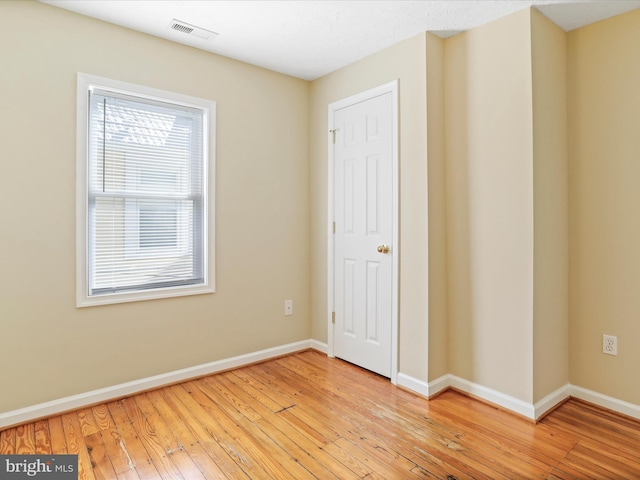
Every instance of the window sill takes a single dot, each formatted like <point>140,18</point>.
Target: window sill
<point>84,300</point>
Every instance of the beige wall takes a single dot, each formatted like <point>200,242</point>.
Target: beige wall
<point>604,169</point>
<point>490,204</point>
<point>406,62</point>
<point>50,349</point>
<point>550,208</point>
<point>438,308</point>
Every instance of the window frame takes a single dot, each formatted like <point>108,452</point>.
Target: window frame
<point>87,82</point>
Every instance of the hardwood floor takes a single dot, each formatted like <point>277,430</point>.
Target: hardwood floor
<point>307,416</point>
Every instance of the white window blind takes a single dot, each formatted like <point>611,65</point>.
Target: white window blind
<point>146,201</point>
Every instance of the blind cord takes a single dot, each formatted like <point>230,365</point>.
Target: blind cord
<point>104,142</point>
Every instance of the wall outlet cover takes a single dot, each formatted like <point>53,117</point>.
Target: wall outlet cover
<point>610,345</point>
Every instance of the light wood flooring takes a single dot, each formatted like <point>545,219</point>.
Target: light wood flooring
<point>307,416</point>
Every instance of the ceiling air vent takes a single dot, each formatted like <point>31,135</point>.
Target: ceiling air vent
<point>189,29</point>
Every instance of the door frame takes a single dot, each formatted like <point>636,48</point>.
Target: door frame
<point>390,87</point>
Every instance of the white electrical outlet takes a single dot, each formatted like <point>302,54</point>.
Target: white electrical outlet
<point>610,345</point>
<point>288,307</point>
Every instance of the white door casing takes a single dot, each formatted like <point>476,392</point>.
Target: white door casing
<point>363,219</point>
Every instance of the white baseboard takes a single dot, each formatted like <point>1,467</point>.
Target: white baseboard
<point>74,402</point>
<point>493,396</point>
<point>413,384</point>
<point>439,384</point>
<point>541,407</point>
<point>320,346</point>
<point>531,411</point>
<point>423,388</point>
<point>610,403</point>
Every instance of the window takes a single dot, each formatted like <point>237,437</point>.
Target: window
<point>143,213</point>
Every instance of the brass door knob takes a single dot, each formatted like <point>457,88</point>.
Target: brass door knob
<point>383,248</point>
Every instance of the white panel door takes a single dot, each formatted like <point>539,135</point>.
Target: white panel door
<point>363,250</point>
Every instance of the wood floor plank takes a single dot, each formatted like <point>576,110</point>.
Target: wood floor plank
<point>611,422</point>
<point>321,409</point>
<point>8,442</point>
<point>42,438</point>
<point>185,438</point>
<point>254,448</point>
<point>267,374</point>
<point>221,391</point>
<point>76,445</point>
<point>190,418</point>
<point>558,474</point>
<point>307,416</point>
<point>102,467</point>
<point>584,470</point>
<point>595,423</point>
<point>292,439</point>
<point>613,465</point>
<point>314,459</point>
<point>87,421</point>
<point>26,439</point>
<point>155,444</point>
<point>138,458</point>
<point>309,420</point>
<point>374,463</point>
<point>278,462</point>
<point>345,458</point>
<point>102,417</point>
<point>262,391</point>
<point>56,431</point>
<point>256,394</point>
<point>302,448</point>
<point>120,459</point>
<point>223,430</point>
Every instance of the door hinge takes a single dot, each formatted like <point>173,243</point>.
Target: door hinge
<point>334,227</point>
<point>333,133</point>
<point>333,317</point>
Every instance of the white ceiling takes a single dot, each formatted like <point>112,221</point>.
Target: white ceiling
<point>310,38</point>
